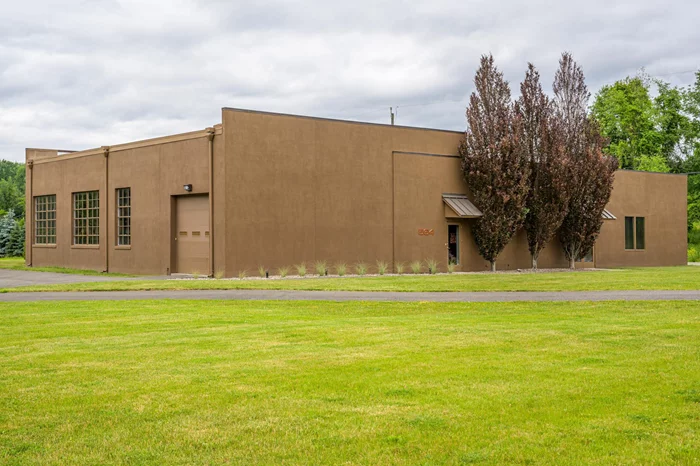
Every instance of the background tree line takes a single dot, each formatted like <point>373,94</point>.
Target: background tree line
<point>536,163</point>
<point>651,125</point>
<point>12,185</point>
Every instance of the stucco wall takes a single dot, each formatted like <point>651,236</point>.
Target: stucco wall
<point>662,200</point>
<point>306,189</point>
<point>154,172</point>
<point>420,180</point>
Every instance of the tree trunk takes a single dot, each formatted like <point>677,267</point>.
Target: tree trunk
<point>572,263</point>
<point>534,262</point>
<point>493,266</point>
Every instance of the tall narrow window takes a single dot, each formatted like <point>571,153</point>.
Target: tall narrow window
<point>45,219</point>
<point>640,232</point>
<point>124,217</point>
<point>453,244</point>
<point>629,232</point>
<point>86,217</point>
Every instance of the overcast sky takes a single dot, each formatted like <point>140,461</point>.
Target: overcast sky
<point>76,75</point>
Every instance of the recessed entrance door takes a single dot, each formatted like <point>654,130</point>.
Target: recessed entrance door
<point>453,244</point>
<point>192,234</point>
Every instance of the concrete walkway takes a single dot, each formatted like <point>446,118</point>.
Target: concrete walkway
<point>356,295</point>
<point>14,278</point>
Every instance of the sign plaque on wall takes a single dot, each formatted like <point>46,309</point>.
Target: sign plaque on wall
<point>426,232</point>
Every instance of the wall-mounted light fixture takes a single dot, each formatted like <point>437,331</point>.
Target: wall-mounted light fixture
<point>188,188</point>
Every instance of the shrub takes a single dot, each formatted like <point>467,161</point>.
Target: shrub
<point>341,269</point>
<point>15,245</point>
<point>283,271</point>
<point>7,225</point>
<point>261,271</point>
<point>694,253</point>
<point>382,267</point>
<point>361,268</point>
<point>451,267</point>
<point>399,266</point>
<point>416,267</point>
<point>219,274</point>
<point>432,265</point>
<point>321,268</point>
<point>301,269</point>
<point>242,274</point>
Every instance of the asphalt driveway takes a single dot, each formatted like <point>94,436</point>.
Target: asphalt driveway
<point>15,278</point>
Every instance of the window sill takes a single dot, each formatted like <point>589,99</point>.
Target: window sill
<point>635,250</point>
<point>85,246</point>
<point>122,247</point>
<point>51,246</point>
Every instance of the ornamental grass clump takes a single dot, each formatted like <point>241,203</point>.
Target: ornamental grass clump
<point>283,271</point>
<point>382,267</point>
<point>261,271</point>
<point>341,269</point>
<point>219,274</point>
<point>399,266</point>
<point>361,268</point>
<point>416,267</point>
<point>242,274</point>
<point>451,266</point>
<point>321,268</point>
<point>432,265</point>
<point>301,269</point>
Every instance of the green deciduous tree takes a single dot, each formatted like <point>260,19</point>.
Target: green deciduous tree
<point>494,164</point>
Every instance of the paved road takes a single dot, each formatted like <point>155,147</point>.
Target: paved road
<point>356,295</point>
<point>15,278</point>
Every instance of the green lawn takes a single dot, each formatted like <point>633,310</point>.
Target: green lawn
<point>656,278</point>
<point>17,263</point>
<point>196,382</point>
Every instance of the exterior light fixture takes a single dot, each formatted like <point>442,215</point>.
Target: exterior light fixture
<point>188,188</point>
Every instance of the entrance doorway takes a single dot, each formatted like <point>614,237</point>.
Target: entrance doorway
<point>453,244</point>
<point>192,234</point>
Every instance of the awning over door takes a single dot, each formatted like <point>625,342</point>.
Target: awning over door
<point>461,206</point>
<point>607,215</point>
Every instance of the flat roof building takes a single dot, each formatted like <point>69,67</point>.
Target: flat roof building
<point>273,190</point>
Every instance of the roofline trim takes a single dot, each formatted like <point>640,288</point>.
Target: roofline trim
<point>337,120</point>
<point>133,145</point>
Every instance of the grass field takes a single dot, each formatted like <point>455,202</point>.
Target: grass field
<point>650,278</point>
<point>17,263</point>
<point>178,382</point>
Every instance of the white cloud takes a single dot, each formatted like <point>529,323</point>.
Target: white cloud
<point>75,75</point>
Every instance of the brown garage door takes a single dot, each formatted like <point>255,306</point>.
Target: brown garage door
<point>192,234</point>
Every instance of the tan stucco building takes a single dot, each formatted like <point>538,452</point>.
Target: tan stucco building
<point>272,190</point>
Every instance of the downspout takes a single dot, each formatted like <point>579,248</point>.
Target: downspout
<point>105,152</point>
<point>210,136</point>
<point>29,223</point>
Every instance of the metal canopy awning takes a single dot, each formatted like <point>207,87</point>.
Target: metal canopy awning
<point>607,215</point>
<point>461,205</point>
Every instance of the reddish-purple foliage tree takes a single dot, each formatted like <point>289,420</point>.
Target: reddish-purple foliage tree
<point>548,199</point>
<point>591,173</point>
<point>494,163</point>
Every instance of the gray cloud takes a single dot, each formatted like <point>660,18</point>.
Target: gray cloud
<point>75,75</point>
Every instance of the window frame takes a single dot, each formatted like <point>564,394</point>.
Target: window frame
<point>49,217</point>
<point>123,216</point>
<point>632,232</point>
<point>85,218</point>
<point>637,223</point>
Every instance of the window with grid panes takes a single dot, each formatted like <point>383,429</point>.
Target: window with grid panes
<point>45,219</point>
<point>124,217</point>
<point>86,217</point>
